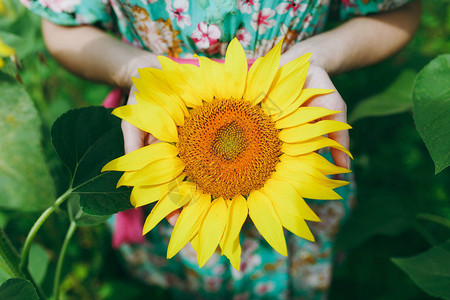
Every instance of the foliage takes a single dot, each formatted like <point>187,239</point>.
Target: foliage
<point>21,151</point>
<point>395,239</point>
<point>431,107</point>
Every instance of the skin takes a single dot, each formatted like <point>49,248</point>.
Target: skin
<point>98,56</point>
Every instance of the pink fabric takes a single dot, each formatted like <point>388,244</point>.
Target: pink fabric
<point>113,99</point>
<point>128,227</point>
<point>194,61</point>
<point>128,224</point>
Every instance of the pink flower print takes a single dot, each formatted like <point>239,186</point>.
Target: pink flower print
<point>291,6</point>
<point>262,288</point>
<point>247,6</point>
<point>261,20</point>
<point>178,10</point>
<point>128,227</point>
<point>348,3</point>
<point>244,37</point>
<point>307,21</point>
<point>60,6</point>
<point>206,35</point>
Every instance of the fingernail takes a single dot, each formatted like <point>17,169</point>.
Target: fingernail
<point>349,165</point>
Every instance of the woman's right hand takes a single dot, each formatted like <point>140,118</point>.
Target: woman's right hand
<point>134,138</point>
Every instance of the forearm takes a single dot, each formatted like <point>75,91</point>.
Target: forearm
<point>362,41</point>
<point>95,55</point>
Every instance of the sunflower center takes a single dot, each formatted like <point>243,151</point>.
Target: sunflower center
<point>229,147</point>
<point>230,141</point>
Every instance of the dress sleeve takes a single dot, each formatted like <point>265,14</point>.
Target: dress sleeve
<point>352,8</point>
<point>72,12</point>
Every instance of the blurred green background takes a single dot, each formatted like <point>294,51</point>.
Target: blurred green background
<point>392,167</point>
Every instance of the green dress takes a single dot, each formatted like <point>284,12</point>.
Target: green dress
<point>180,28</point>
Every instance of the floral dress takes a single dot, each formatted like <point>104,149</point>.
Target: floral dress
<point>181,28</point>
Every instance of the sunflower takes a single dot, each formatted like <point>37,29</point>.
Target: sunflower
<point>234,143</point>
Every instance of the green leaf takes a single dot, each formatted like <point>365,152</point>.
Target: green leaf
<point>395,99</point>
<point>18,289</point>
<point>25,180</point>
<point>431,109</point>
<point>429,270</point>
<point>39,260</point>
<point>86,139</point>
<point>79,216</point>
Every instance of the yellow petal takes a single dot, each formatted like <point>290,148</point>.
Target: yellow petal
<point>261,75</point>
<point>141,157</point>
<point>195,243</point>
<point>306,94</point>
<point>155,121</point>
<point>153,83</point>
<point>237,214</point>
<point>174,199</point>
<point>214,76</point>
<point>143,195</point>
<point>196,83</point>
<point>285,91</point>
<point>236,66</point>
<point>176,76</point>
<point>294,65</point>
<point>188,222</point>
<point>124,178</point>
<point>266,220</point>
<point>321,163</point>
<point>295,224</point>
<point>312,145</point>
<point>169,103</point>
<point>306,185</point>
<point>303,169</point>
<point>304,115</point>
<point>157,172</point>
<point>234,255</point>
<point>309,131</point>
<point>211,230</point>
<point>285,196</point>
<point>2,63</point>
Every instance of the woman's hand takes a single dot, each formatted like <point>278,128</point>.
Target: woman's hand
<point>318,78</point>
<point>134,138</point>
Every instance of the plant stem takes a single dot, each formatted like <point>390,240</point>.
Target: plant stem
<point>436,219</point>
<point>26,248</point>
<point>62,253</point>
<point>12,259</point>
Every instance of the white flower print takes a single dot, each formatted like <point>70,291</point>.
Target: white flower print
<point>178,10</point>
<point>261,20</point>
<point>247,6</point>
<point>291,6</point>
<point>244,37</point>
<point>60,6</point>
<point>206,35</point>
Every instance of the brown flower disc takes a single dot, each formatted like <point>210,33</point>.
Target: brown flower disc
<point>229,147</point>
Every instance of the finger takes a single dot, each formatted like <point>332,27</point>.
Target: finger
<point>335,102</point>
<point>133,137</point>
<point>173,217</point>
<point>340,158</point>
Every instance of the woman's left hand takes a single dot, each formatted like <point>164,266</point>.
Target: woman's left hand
<point>318,78</point>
